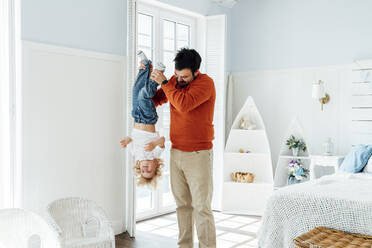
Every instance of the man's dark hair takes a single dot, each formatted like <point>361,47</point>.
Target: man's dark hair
<point>187,59</point>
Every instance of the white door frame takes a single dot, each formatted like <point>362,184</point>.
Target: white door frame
<point>201,44</point>
<point>131,64</point>
<point>160,13</point>
<point>10,90</point>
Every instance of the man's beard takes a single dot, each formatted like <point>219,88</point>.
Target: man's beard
<point>183,83</point>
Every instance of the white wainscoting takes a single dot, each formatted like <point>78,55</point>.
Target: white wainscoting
<point>281,95</point>
<point>73,119</point>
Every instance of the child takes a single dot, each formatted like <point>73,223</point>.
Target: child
<point>147,145</point>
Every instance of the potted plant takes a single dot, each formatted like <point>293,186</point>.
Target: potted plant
<point>296,172</point>
<point>295,145</point>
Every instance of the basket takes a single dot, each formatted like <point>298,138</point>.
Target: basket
<point>242,177</point>
<point>323,237</point>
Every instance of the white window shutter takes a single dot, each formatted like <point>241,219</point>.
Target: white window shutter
<point>215,67</point>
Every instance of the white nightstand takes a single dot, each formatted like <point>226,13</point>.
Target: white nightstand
<point>323,160</point>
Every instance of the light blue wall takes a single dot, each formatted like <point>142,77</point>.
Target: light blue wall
<point>96,25</point>
<point>204,7</point>
<point>291,33</point>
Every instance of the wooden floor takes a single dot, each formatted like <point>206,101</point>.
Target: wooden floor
<point>143,240</point>
<point>232,231</point>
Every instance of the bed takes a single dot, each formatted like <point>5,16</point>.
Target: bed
<point>340,201</point>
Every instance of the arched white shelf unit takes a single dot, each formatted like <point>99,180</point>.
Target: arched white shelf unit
<point>285,155</point>
<point>247,198</point>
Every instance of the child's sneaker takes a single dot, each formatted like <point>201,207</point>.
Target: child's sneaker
<point>160,66</point>
<point>142,55</point>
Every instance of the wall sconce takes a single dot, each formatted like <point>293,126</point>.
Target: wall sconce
<point>318,93</point>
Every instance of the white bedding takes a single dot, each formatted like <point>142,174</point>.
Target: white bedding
<point>342,201</point>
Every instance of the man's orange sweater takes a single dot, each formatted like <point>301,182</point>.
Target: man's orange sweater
<point>191,110</point>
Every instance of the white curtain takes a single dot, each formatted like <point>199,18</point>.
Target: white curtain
<point>229,103</point>
<point>4,106</point>
<point>131,71</point>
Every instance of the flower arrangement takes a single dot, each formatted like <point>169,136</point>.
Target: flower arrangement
<point>296,171</point>
<point>296,145</point>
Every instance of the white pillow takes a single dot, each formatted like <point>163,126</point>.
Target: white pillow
<point>368,167</point>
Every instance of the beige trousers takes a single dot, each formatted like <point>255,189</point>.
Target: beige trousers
<point>192,186</point>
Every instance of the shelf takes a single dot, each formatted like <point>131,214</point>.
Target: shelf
<point>294,157</point>
<point>256,163</point>
<point>281,171</point>
<point>246,198</point>
<point>276,187</point>
<point>245,184</point>
<point>245,154</point>
<point>248,130</point>
<point>251,140</point>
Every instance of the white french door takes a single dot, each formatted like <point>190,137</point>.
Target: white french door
<point>9,111</point>
<point>160,33</point>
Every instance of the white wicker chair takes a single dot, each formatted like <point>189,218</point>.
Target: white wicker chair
<point>82,223</point>
<point>18,227</point>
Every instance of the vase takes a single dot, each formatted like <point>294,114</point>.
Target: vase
<point>328,147</point>
<point>293,180</point>
<point>295,151</point>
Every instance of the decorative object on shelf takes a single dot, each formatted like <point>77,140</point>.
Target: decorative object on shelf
<point>319,93</point>
<point>295,145</point>
<point>244,151</point>
<point>296,172</point>
<point>246,124</point>
<point>242,177</point>
<point>328,147</point>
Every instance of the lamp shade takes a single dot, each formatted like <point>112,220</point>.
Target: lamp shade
<point>318,91</point>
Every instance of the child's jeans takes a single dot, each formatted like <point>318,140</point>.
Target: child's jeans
<point>144,89</point>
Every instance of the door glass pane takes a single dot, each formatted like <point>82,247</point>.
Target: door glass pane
<point>145,34</point>
<point>183,35</point>
<point>145,23</point>
<point>147,51</point>
<point>168,199</point>
<point>182,44</point>
<point>168,27</point>
<point>168,44</point>
<point>144,40</point>
<point>144,199</point>
<point>168,58</point>
<point>169,35</point>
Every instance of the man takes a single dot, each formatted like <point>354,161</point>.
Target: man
<point>191,95</point>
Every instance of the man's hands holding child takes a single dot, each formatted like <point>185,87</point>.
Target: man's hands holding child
<point>151,146</point>
<point>158,76</point>
<point>143,67</point>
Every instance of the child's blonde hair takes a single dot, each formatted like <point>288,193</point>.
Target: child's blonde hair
<point>150,182</point>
